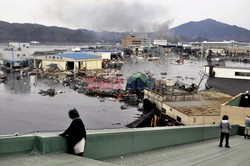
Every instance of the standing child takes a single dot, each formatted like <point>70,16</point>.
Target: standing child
<point>225,130</point>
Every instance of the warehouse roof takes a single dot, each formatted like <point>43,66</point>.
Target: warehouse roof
<point>79,56</point>
<point>110,51</point>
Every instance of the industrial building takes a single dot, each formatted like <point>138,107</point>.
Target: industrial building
<point>188,108</point>
<point>16,54</point>
<point>68,61</point>
<point>236,110</point>
<point>136,41</point>
<point>218,45</point>
<point>160,42</point>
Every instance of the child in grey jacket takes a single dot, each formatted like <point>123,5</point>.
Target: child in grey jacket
<point>225,128</point>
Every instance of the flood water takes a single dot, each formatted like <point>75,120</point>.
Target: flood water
<point>23,110</point>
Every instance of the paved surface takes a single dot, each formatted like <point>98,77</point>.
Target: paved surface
<point>50,160</point>
<point>206,153</point>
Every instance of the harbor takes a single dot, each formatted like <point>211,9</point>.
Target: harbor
<point>29,93</point>
<point>124,83</point>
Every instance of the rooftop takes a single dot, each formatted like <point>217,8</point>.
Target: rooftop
<point>229,86</point>
<point>204,153</point>
<point>49,160</point>
<point>110,51</point>
<point>184,145</point>
<point>79,56</point>
<point>209,104</point>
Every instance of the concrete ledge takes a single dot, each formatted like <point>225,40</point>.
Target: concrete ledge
<point>17,144</point>
<point>110,143</point>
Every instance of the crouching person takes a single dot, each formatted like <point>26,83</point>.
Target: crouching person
<point>75,134</point>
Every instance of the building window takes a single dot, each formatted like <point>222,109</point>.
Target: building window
<point>18,55</point>
<point>46,57</point>
<point>244,74</point>
<point>194,120</point>
<point>23,54</point>
<point>57,57</point>
<point>49,57</point>
<point>178,119</point>
<point>53,57</point>
<point>61,58</point>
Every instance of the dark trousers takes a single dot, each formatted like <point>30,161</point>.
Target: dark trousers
<point>222,135</point>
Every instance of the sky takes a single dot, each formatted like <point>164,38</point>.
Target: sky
<point>123,15</point>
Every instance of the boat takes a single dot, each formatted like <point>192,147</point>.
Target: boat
<point>228,79</point>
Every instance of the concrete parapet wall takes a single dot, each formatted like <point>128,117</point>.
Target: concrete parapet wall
<point>109,143</point>
<point>16,144</point>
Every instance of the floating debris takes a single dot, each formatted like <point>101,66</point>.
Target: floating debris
<point>164,73</point>
<point>123,107</point>
<point>3,78</point>
<point>50,92</point>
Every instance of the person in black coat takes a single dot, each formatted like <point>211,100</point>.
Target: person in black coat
<point>75,134</point>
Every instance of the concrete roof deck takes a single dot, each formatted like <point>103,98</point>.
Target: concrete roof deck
<point>209,104</point>
<point>205,153</point>
<point>50,160</point>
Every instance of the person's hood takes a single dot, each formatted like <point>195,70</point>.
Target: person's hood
<point>224,121</point>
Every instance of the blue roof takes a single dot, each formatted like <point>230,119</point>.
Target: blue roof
<point>111,51</point>
<point>79,56</point>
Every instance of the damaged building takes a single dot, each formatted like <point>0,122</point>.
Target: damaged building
<point>188,108</point>
<point>68,61</point>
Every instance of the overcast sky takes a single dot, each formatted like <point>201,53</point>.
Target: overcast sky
<point>123,15</point>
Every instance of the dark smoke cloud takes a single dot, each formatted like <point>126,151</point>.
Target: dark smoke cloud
<point>108,15</point>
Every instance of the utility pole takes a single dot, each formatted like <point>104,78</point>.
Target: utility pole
<point>12,58</point>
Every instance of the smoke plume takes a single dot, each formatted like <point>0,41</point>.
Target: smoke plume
<point>106,15</point>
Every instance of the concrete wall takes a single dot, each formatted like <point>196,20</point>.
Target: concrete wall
<point>109,143</point>
<point>154,98</point>
<point>174,113</point>
<point>191,119</point>
<point>94,64</point>
<point>89,64</point>
<point>204,120</point>
<point>60,63</point>
<point>229,73</point>
<point>236,114</point>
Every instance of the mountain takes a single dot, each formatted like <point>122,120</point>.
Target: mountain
<point>211,30</point>
<point>28,32</point>
<point>17,32</point>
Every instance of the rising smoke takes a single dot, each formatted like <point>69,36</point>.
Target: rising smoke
<point>110,15</point>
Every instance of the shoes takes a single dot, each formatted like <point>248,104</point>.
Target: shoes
<point>219,145</point>
<point>227,146</point>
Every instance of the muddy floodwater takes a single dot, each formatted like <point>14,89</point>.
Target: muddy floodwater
<point>23,110</point>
